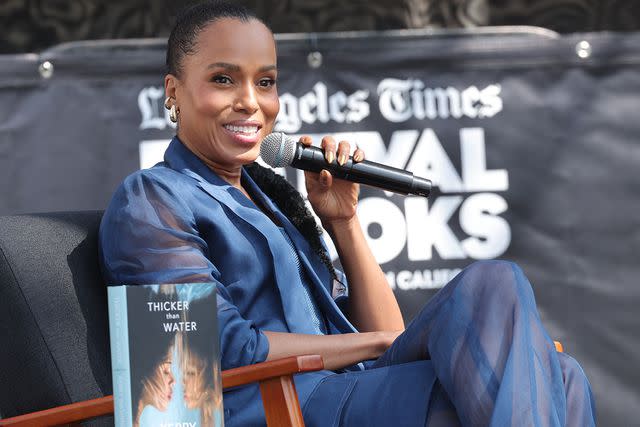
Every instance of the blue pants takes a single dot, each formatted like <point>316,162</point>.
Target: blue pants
<point>476,355</point>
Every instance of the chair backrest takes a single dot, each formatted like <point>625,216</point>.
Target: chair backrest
<point>53,312</point>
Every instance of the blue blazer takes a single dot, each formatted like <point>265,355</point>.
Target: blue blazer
<point>178,222</point>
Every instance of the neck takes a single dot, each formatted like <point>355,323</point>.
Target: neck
<point>230,174</point>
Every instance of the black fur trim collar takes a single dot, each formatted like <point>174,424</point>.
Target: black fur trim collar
<point>291,203</point>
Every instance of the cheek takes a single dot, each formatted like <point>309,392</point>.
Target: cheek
<point>271,107</point>
<point>210,105</point>
<point>205,101</point>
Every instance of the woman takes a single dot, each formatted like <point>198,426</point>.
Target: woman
<point>200,369</point>
<point>477,353</point>
<point>155,389</point>
<point>151,356</point>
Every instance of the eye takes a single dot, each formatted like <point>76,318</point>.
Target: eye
<point>267,82</point>
<point>221,79</point>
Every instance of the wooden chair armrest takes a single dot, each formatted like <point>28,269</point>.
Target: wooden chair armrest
<point>64,414</point>
<point>279,396</point>
<point>276,385</point>
<point>267,370</point>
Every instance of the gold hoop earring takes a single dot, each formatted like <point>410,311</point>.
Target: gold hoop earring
<point>166,103</point>
<point>173,113</point>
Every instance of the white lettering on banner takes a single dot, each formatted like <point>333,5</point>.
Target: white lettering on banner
<point>474,166</point>
<point>429,228</point>
<point>152,151</point>
<point>425,225</point>
<point>407,280</point>
<point>401,100</point>
<point>466,219</point>
<point>429,159</point>
<point>490,234</point>
<point>318,106</point>
<point>151,105</point>
<point>396,155</point>
<point>389,217</point>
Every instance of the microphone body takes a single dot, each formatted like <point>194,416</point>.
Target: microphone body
<point>277,150</point>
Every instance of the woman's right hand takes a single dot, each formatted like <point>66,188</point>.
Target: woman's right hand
<point>333,200</point>
<point>372,305</point>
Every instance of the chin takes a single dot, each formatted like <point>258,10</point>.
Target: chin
<point>190,404</point>
<point>250,156</point>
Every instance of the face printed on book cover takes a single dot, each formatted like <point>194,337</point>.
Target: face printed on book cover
<point>160,386</point>
<point>194,381</point>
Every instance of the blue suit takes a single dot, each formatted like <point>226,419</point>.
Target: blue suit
<point>179,222</point>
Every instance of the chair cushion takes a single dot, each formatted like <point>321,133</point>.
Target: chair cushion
<point>53,312</point>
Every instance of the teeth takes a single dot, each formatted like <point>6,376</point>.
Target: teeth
<point>242,129</point>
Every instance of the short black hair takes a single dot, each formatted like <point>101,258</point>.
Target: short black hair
<point>194,19</point>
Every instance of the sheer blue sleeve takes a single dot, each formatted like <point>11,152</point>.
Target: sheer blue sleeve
<point>149,235</point>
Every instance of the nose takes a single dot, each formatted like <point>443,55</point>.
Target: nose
<point>246,99</point>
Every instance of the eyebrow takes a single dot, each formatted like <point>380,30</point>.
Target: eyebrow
<point>234,67</point>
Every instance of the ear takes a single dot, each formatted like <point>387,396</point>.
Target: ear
<point>170,85</point>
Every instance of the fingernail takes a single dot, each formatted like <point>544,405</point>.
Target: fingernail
<point>357,157</point>
<point>330,156</point>
<point>324,178</point>
<point>342,159</point>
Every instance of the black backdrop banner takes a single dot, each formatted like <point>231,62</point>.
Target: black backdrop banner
<point>529,138</point>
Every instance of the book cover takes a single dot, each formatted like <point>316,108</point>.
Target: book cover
<point>165,355</point>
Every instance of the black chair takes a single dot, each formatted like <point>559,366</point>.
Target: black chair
<point>53,319</point>
<point>54,329</point>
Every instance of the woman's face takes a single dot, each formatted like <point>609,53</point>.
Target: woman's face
<point>226,94</point>
<point>165,380</point>
<point>193,382</point>
<point>158,388</point>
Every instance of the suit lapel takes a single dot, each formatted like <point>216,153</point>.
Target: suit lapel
<point>181,159</point>
<point>292,297</point>
<point>317,273</point>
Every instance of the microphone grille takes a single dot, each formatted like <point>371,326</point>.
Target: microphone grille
<point>277,149</point>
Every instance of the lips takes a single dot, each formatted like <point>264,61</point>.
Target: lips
<point>243,132</point>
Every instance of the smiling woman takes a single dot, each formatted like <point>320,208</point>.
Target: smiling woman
<point>224,93</point>
<point>477,354</point>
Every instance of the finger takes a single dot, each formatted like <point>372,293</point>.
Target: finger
<point>329,146</point>
<point>326,180</point>
<point>311,180</point>
<point>343,152</point>
<point>318,182</point>
<point>358,155</point>
<point>306,140</point>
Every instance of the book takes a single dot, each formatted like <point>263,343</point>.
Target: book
<point>165,355</point>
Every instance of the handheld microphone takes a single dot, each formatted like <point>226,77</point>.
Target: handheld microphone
<point>278,150</point>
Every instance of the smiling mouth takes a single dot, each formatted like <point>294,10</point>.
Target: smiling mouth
<point>242,130</point>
